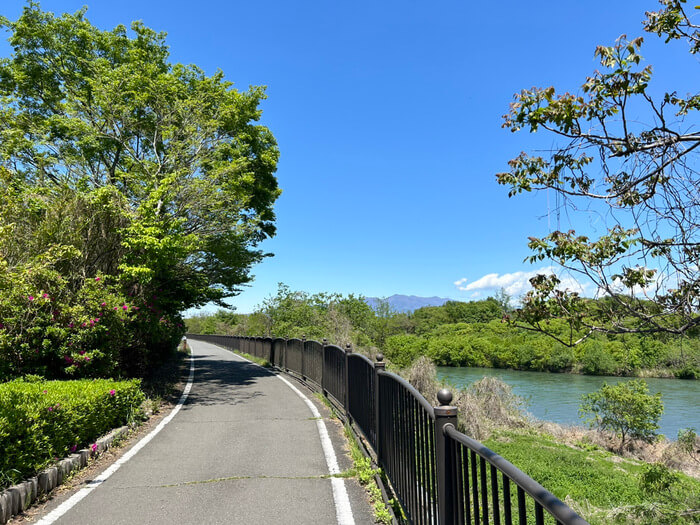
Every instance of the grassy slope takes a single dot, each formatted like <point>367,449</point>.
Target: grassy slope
<point>597,481</point>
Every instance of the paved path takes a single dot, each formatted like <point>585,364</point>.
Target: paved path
<point>244,448</point>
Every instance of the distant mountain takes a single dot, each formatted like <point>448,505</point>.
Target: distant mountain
<point>408,303</point>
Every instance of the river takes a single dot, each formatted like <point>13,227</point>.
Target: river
<point>556,397</point>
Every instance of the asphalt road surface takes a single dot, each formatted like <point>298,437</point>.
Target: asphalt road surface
<point>244,448</point>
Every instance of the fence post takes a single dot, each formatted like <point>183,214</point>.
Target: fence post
<point>284,357</point>
<point>348,351</point>
<point>444,415</point>
<point>324,342</point>
<point>379,364</point>
<point>303,354</point>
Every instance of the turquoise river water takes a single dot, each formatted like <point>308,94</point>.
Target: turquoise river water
<point>556,397</point>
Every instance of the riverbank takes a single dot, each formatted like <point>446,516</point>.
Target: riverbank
<point>580,466</point>
<point>499,345</point>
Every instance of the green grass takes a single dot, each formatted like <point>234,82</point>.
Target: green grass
<point>257,360</point>
<point>601,484</point>
<point>365,474</point>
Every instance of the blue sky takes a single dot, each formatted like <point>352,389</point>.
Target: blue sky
<point>388,118</point>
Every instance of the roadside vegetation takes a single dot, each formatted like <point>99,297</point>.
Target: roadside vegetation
<point>457,334</point>
<point>41,421</point>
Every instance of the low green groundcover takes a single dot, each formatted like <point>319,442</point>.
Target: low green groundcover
<point>41,421</point>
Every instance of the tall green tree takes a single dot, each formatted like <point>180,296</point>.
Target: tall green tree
<point>630,157</point>
<point>116,165</point>
<point>188,168</point>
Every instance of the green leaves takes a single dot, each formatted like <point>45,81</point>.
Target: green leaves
<point>626,409</point>
<point>620,156</point>
<point>41,420</point>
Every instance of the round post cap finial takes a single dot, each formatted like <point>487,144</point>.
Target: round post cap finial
<point>380,357</point>
<point>444,396</point>
<point>348,346</point>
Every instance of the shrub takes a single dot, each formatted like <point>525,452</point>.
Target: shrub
<point>402,350</point>
<point>44,420</point>
<point>596,360</point>
<point>626,409</point>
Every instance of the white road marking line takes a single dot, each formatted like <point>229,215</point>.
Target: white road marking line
<point>64,507</point>
<point>343,510</point>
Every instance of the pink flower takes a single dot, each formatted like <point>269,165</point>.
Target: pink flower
<point>84,325</point>
<point>74,448</point>
<point>31,297</point>
<point>87,358</point>
<point>125,307</point>
<point>45,295</point>
<point>94,447</point>
<point>112,393</point>
<point>97,278</point>
<point>116,307</point>
<point>82,352</point>
<point>70,325</point>
<point>50,409</point>
<point>46,391</point>
<point>103,304</point>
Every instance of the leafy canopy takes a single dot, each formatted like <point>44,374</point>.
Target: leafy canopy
<point>131,189</point>
<point>631,159</point>
<point>189,170</point>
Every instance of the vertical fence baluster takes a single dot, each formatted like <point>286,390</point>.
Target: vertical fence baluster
<point>539,515</point>
<point>466,488</point>
<point>494,496</point>
<point>522,510</point>
<point>484,491</point>
<point>475,487</point>
<point>506,501</point>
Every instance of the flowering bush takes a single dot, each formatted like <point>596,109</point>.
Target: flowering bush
<point>58,326</point>
<point>63,326</point>
<point>43,420</point>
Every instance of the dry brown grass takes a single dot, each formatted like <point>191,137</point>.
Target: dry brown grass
<point>489,404</point>
<point>484,406</point>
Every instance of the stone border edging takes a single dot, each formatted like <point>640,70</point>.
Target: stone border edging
<point>18,498</point>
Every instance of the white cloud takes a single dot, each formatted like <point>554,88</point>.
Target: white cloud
<point>515,284</point>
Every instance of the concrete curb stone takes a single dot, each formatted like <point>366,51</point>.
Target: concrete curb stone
<point>5,507</point>
<point>18,498</point>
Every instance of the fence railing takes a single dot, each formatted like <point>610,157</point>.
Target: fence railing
<point>439,475</point>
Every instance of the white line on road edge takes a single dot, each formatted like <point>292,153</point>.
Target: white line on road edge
<point>340,494</point>
<point>343,510</point>
<point>64,507</point>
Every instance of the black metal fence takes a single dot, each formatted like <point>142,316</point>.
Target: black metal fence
<point>439,475</point>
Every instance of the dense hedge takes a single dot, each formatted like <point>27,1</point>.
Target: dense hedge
<point>41,421</point>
